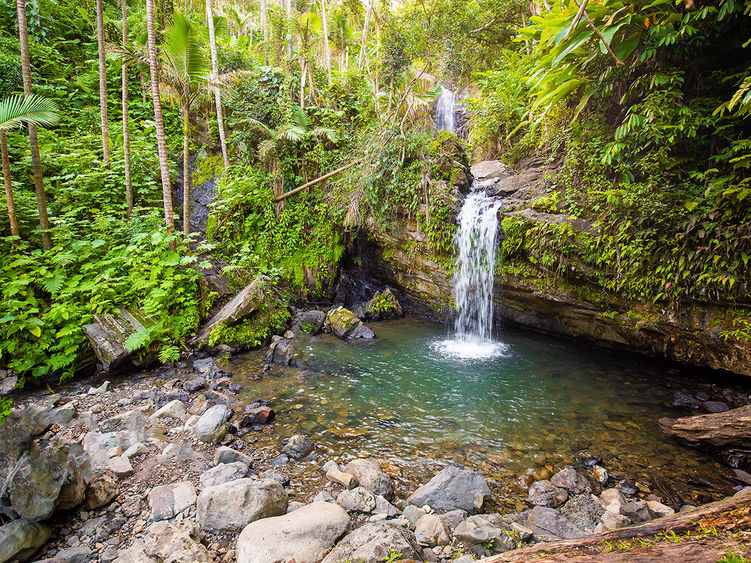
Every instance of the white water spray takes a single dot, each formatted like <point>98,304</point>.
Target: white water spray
<point>445,111</point>
<point>473,281</point>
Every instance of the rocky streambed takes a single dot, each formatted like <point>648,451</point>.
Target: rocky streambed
<point>169,465</point>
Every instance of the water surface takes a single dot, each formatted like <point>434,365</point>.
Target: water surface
<point>532,407</point>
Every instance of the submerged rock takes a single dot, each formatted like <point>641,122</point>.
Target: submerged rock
<point>298,447</point>
<point>302,536</point>
<point>453,488</point>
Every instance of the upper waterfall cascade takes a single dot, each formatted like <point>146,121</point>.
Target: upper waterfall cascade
<point>445,111</point>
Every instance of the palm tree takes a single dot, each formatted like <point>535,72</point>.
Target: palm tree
<point>102,81</point>
<point>158,120</point>
<point>14,111</point>
<point>297,130</point>
<point>186,70</point>
<point>126,125</point>
<point>214,75</point>
<point>36,163</point>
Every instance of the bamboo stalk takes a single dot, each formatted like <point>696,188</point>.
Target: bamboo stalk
<point>317,180</point>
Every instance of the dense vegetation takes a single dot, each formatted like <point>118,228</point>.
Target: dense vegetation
<point>646,106</point>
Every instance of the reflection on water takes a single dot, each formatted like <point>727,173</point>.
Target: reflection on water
<point>402,400</point>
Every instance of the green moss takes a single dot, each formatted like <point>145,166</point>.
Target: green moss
<point>271,318</point>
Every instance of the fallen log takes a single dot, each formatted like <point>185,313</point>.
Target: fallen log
<point>730,429</point>
<point>732,514</point>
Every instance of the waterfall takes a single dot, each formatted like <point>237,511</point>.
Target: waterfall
<point>445,110</point>
<point>475,244</point>
<point>473,280</point>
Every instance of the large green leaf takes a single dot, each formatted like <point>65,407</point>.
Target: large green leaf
<point>18,109</point>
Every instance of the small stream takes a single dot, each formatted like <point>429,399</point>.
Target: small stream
<point>532,408</point>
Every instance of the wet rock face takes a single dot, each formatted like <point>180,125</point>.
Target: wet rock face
<point>452,489</point>
<point>406,261</point>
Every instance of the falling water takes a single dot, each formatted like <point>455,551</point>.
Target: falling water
<point>475,244</point>
<point>445,110</point>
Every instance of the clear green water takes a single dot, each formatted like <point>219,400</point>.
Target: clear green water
<point>400,400</point>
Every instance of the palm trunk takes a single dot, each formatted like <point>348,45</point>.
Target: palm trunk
<point>8,185</point>
<point>326,49</point>
<point>264,20</point>
<point>215,75</point>
<point>302,83</point>
<point>161,141</point>
<point>36,163</point>
<point>186,171</point>
<point>126,125</point>
<point>102,81</point>
<point>289,18</point>
<point>363,48</point>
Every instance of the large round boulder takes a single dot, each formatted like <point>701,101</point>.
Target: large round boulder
<point>231,506</point>
<point>302,536</point>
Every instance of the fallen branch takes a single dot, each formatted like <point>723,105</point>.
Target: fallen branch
<point>727,515</point>
<point>317,180</point>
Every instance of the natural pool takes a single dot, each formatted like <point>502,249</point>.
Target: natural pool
<point>534,406</point>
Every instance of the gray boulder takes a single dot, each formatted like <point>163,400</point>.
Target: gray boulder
<point>451,489</point>
<point>298,447</point>
<point>302,536</point>
<point>19,539</point>
<point>548,525</point>
<point>490,170</point>
<point>284,352</point>
<point>544,493</point>
<point>47,477</point>
<point>575,483</point>
<point>308,322</point>
<point>477,530</point>
<point>101,490</point>
<point>357,500</point>
<point>371,477</point>
<point>167,501</point>
<point>583,511</point>
<point>223,473</point>
<point>80,554</point>
<point>211,426</point>
<point>375,543</point>
<point>231,506</point>
<point>168,543</point>
<point>228,455</point>
<point>109,332</point>
<point>431,530</point>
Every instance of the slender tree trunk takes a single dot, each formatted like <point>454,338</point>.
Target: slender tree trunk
<point>126,124</point>
<point>289,18</point>
<point>214,77</point>
<point>364,47</point>
<point>186,170</point>
<point>23,36</point>
<point>161,141</point>
<point>302,82</point>
<point>8,185</point>
<point>102,81</point>
<point>264,20</point>
<point>326,49</point>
